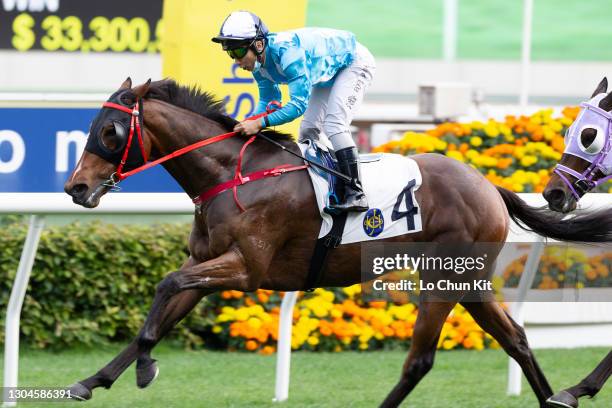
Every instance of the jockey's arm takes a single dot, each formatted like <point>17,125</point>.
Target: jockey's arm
<point>295,69</point>
<point>268,92</point>
<point>300,87</point>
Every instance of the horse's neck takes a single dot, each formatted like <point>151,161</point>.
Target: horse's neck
<point>174,128</point>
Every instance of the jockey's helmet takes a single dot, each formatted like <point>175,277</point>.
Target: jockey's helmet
<point>241,29</point>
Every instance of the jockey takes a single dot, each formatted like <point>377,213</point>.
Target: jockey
<point>327,72</point>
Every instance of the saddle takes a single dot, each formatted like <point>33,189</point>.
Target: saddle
<point>324,155</point>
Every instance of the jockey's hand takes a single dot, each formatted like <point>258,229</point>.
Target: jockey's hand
<point>248,127</point>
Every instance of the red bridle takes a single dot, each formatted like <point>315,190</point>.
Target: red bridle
<point>134,112</point>
<point>239,179</point>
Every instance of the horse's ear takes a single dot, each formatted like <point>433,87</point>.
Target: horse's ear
<point>141,90</point>
<point>601,88</point>
<point>606,103</point>
<point>127,84</point>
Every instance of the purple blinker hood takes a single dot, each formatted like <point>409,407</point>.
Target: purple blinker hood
<point>593,117</point>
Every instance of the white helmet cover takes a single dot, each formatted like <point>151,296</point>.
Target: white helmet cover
<point>241,26</point>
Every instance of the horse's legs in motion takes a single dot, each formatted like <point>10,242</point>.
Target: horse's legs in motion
<point>171,303</point>
<point>495,321</point>
<point>590,386</point>
<point>179,306</point>
<point>594,382</point>
<point>226,271</point>
<point>420,359</point>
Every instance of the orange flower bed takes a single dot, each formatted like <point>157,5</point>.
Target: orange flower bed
<point>329,320</point>
<point>518,153</point>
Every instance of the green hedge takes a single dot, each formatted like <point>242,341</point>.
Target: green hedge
<point>93,283</point>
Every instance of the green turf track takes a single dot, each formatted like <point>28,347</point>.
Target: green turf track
<point>488,29</point>
<point>460,379</point>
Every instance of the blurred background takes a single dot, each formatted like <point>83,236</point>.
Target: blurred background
<point>476,41</point>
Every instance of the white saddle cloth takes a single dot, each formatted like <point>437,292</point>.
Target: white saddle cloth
<point>389,184</point>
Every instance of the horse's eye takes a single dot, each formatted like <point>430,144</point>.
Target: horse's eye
<point>592,140</point>
<point>110,139</point>
<point>120,131</point>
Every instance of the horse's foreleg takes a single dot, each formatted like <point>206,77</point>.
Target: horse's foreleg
<point>178,308</point>
<point>106,376</point>
<point>590,386</point>
<point>227,271</point>
<point>420,359</point>
<point>595,381</point>
<point>495,321</point>
<point>175,296</point>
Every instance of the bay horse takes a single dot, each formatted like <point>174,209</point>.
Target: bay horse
<point>269,244</point>
<point>585,163</point>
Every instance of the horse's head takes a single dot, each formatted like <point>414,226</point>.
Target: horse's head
<point>586,161</point>
<point>113,145</point>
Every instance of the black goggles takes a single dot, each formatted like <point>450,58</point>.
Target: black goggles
<point>238,53</point>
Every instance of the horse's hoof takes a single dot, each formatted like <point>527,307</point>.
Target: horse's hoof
<point>563,399</point>
<point>79,392</point>
<point>146,375</point>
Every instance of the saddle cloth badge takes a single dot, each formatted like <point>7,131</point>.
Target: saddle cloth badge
<point>390,182</point>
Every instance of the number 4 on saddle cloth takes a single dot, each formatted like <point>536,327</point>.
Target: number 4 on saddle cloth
<point>389,181</point>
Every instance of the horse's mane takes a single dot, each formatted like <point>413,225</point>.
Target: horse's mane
<point>198,101</point>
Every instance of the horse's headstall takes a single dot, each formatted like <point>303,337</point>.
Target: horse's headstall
<point>121,121</point>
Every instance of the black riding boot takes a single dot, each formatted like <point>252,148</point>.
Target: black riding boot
<point>354,198</point>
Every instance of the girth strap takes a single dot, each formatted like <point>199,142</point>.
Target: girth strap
<point>322,248</point>
<point>243,179</point>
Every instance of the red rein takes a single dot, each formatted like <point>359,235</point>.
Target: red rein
<point>238,180</point>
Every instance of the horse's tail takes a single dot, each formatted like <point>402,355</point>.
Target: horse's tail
<point>594,226</point>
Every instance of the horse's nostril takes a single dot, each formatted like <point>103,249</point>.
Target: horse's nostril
<point>554,195</point>
<point>556,198</point>
<point>78,190</point>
